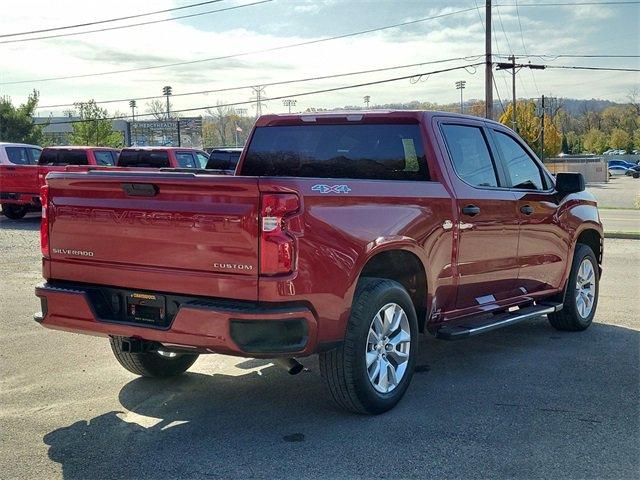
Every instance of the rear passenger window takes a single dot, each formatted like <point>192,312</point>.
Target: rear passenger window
<point>35,155</point>
<point>104,157</point>
<point>522,169</point>
<point>185,160</point>
<point>470,155</point>
<point>18,155</point>
<point>378,152</point>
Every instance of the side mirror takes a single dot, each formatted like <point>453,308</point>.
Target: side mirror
<point>567,183</point>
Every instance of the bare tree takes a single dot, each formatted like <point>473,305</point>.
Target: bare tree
<point>158,109</point>
<point>223,117</point>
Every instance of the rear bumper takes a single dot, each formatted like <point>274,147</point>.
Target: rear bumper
<point>207,325</point>
<point>32,199</point>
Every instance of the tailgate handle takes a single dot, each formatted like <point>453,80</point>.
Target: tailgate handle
<point>140,189</point>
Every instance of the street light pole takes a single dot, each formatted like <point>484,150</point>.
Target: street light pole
<point>460,85</point>
<point>367,99</point>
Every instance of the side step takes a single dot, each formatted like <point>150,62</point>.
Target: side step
<point>473,327</point>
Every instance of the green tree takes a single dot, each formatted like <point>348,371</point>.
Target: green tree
<point>94,128</point>
<point>636,139</point>
<point>17,123</point>
<point>595,141</point>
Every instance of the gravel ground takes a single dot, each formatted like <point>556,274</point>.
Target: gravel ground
<point>521,402</point>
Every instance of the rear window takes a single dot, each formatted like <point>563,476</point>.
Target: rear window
<point>63,157</point>
<point>223,160</point>
<point>378,152</point>
<point>19,156</point>
<point>144,158</point>
<point>105,157</point>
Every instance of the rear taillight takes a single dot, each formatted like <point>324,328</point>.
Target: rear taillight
<point>277,247</point>
<point>44,223</point>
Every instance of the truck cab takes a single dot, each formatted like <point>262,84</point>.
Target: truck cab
<point>163,157</point>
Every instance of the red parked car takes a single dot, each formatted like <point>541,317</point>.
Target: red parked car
<point>163,157</point>
<point>343,235</point>
<point>20,183</point>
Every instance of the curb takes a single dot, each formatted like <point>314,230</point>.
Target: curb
<point>623,235</point>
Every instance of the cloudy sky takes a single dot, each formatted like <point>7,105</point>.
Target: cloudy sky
<point>557,30</point>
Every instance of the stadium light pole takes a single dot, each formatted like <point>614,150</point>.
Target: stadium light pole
<point>167,91</point>
<point>460,85</point>
<point>132,104</point>
<point>367,99</point>
<point>289,102</point>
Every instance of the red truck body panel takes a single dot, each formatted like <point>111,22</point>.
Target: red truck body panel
<point>20,184</point>
<point>198,235</point>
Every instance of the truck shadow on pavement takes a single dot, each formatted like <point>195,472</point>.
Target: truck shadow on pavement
<point>30,222</point>
<point>525,402</point>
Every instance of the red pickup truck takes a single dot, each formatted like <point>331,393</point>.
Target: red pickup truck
<point>20,183</point>
<point>343,234</point>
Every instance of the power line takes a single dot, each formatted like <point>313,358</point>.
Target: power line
<point>98,22</point>
<point>281,97</point>
<point>242,54</point>
<point>150,22</point>
<point>524,48</point>
<point>551,57</point>
<point>606,69</point>
<point>270,84</point>
<point>568,4</point>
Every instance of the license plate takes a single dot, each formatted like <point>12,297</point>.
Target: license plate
<point>146,308</point>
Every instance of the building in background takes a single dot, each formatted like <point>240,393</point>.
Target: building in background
<point>183,132</point>
<point>57,133</point>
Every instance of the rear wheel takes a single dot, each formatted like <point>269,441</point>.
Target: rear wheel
<point>13,211</point>
<point>152,364</point>
<point>581,297</point>
<point>372,369</point>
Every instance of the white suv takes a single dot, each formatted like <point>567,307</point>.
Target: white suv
<point>19,154</point>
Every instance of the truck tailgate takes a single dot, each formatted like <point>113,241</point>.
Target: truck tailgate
<point>172,232</point>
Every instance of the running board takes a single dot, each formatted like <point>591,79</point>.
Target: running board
<point>471,328</point>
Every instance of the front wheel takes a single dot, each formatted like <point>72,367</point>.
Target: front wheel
<point>14,212</point>
<point>152,364</point>
<point>581,297</point>
<point>370,372</point>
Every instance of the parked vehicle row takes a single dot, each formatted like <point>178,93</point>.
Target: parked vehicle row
<point>342,234</point>
<point>23,168</point>
<point>622,167</point>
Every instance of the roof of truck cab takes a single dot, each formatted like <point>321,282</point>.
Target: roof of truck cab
<point>13,144</point>
<point>79,147</point>
<point>356,116</point>
<point>162,148</point>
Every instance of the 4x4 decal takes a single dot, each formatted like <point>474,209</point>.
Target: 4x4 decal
<point>331,188</point>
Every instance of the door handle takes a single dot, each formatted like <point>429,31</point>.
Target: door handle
<point>471,210</point>
<point>527,209</point>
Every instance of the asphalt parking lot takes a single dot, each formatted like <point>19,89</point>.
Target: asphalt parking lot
<point>521,402</point>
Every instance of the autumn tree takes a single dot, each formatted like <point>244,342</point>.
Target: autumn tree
<point>94,128</point>
<point>620,139</point>
<point>595,141</point>
<point>529,126</point>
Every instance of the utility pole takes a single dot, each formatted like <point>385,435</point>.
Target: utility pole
<point>511,65</point>
<point>259,91</point>
<point>367,99</point>
<point>460,85</point>
<point>288,102</point>
<point>514,122</point>
<point>542,131</point>
<point>488,69</point>
<point>132,104</point>
<point>166,91</point>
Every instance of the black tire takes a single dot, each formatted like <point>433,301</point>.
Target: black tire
<point>14,212</point>
<point>151,364</point>
<point>636,175</point>
<point>344,369</point>
<point>569,318</point>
